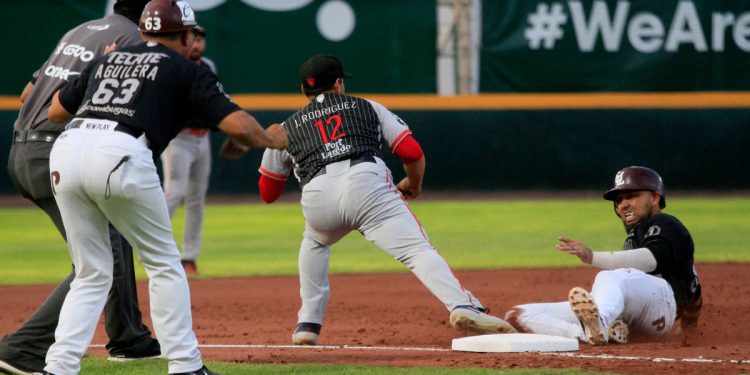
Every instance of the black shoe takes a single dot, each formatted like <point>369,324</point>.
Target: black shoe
<point>152,351</point>
<point>9,367</point>
<point>306,334</point>
<point>191,269</point>
<point>201,371</point>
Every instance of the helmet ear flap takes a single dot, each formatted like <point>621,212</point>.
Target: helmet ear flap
<point>662,201</point>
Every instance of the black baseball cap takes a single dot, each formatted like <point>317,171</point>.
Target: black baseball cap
<point>321,71</point>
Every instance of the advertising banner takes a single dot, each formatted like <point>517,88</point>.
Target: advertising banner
<point>615,45</point>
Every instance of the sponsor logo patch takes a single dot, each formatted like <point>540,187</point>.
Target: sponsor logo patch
<point>653,231</point>
<point>98,27</point>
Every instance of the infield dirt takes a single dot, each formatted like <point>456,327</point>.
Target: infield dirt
<point>395,310</point>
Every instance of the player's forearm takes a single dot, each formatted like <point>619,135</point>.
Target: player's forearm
<point>57,112</point>
<point>415,172</point>
<point>246,131</point>
<point>641,259</point>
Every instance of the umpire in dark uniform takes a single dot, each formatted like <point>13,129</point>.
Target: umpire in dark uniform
<point>28,166</point>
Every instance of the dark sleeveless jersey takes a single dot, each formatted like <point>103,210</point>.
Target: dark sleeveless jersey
<point>333,127</point>
<point>148,87</point>
<point>672,246</point>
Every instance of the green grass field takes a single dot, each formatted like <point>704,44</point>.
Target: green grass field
<point>255,239</point>
<point>103,367</point>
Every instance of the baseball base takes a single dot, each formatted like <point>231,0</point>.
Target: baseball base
<point>513,343</point>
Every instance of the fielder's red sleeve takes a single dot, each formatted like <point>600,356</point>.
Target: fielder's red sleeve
<point>270,188</point>
<point>408,150</point>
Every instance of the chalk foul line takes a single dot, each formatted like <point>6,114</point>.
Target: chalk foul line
<point>429,349</point>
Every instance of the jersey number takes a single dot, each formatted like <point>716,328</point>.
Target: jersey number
<point>152,23</point>
<point>106,91</point>
<point>335,121</point>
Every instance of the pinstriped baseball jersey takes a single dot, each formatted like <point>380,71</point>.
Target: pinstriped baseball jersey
<point>333,127</point>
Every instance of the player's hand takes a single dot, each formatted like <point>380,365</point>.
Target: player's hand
<point>574,247</point>
<point>230,149</point>
<point>109,48</point>
<point>278,134</point>
<point>408,191</point>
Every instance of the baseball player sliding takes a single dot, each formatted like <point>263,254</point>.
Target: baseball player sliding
<point>334,151</point>
<point>645,288</point>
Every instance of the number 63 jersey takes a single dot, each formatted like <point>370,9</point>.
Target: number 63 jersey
<point>333,127</point>
<point>151,88</point>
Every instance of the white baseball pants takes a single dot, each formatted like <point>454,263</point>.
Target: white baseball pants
<point>644,302</point>
<point>82,163</point>
<point>363,197</point>
<point>187,167</point>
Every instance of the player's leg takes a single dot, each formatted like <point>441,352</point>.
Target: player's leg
<point>176,160</point>
<point>137,208</point>
<point>323,228</point>
<point>649,307</point>
<point>555,318</point>
<point>372,205</point>
<point>88,240</point>
<point>147,226</point>
<point>129,338</point>
<point>609,293</point>
<point>195,199</point>
<point>315,290</point>
<point>26,348</point>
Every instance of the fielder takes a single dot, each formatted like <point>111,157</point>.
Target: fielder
<point>334,151</point>
<point>128,106</point>
<point>187,167</point>
<point>644,289</point>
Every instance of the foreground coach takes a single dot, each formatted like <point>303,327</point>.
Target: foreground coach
<point>128,106</point>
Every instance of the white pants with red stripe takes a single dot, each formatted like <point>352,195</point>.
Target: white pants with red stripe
<point>363,197</point>
<point>90,191</point>
<point>644,302</point>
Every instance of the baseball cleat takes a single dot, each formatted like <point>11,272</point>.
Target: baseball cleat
<point>618,332</point>
<point>7,367</point>
<point>201,371</point>
<point>585,309</point>
<point>471,319</point>
<point>151,351</point>
<point>306,334</point>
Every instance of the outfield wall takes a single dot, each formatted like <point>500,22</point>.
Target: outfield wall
<point>519,142</point>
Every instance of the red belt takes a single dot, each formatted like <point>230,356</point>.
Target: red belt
<point>195,132</point>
